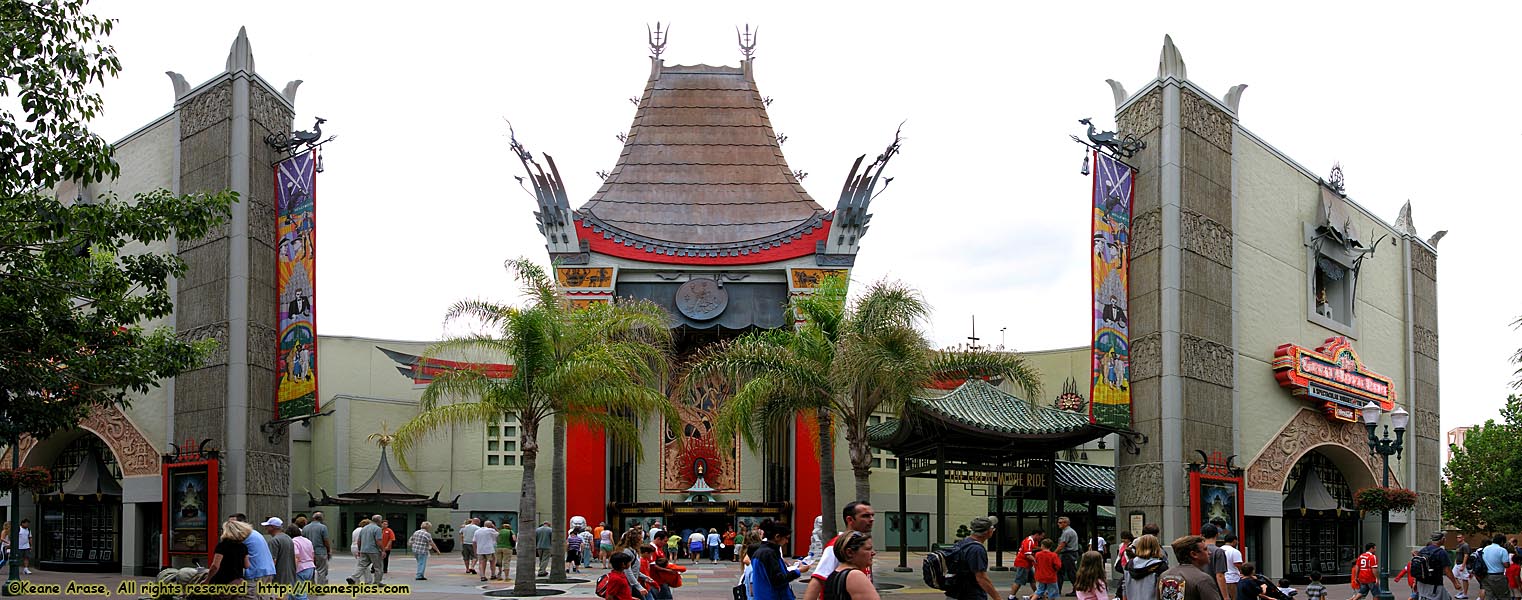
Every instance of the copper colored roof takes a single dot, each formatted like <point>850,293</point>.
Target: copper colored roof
<point>702,168</point>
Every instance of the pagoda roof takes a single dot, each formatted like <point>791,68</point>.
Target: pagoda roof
<point>383,487</point>
<point>702,172</point>
<point>983,422</point>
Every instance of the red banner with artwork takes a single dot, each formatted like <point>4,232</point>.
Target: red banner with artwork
<point>295,278</point>
<point>1110,377</point>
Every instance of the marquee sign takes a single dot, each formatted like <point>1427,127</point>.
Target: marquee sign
<point>1332,376</point>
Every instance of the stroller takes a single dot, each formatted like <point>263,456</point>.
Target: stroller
<point>183,576</point>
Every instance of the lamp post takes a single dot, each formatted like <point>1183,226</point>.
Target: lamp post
<point>1384,446</point>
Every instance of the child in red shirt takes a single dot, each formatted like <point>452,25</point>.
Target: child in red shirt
<point>1410,579</point>
<point>1047,565</point>
<point>615,583</point>
<point>1514,575</point>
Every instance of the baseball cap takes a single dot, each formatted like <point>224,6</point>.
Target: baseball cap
<point>273,522</point>
<point>1438,536</point>
<point>981,524</point>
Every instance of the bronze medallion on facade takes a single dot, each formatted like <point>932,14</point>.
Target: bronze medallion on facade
<point>701,299</point>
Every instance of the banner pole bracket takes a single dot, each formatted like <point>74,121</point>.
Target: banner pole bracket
<point>275,427</point>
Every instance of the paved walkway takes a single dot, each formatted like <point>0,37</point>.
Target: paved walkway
<point>447,580</point>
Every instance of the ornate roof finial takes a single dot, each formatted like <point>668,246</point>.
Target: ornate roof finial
<point>241,56</point>
<point>657,39</point>
<point>383,437</point>
<point>1335,179</point>
<point>1170,63</point>
<point>747,40</point>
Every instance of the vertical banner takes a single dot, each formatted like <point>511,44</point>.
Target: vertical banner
<point>1110,381</point>
<point>295,274</point>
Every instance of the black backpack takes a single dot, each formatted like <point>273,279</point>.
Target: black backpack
<point>1476,566</point>
<point>941,567</point>
<point>1424,567</point>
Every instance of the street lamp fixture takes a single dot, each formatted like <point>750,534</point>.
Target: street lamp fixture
<point>1384,446</point>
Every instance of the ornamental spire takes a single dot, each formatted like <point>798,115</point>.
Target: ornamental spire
<point>657,39</point>
<point>747,41</point>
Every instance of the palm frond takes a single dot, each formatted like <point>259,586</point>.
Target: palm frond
<point>984,363</point>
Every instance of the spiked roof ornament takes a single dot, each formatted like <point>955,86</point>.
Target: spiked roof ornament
<point>657,39</point>
<point>747,40</point>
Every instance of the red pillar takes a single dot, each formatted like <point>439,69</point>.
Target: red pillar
<point>586,488</point>
<point>806,496</point>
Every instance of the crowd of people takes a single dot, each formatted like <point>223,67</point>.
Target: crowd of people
<point>1211,566</point>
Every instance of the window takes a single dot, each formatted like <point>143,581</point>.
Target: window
<point>1335,251</point>
<point>881,459</point>
<point>502,442</point>
<point>1332,290</point>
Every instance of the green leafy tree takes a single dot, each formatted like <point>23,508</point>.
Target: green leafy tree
<point>1482,490</point>
<point>843,363</point>
<point>588,366</point>
<point>78,279</point>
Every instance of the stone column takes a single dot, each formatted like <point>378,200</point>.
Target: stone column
<point>1183,362</point>
<point>228,291</point>
<point>1424,439</point>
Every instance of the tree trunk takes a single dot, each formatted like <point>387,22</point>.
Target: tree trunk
<point>557,500</point>
<point>525,585</point>
<point>826,476</point>
<point>861,462</point>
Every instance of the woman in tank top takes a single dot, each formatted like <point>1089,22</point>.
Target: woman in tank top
<point>850,581</point>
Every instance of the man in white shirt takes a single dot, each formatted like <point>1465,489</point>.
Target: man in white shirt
<point>486,548</point>
<point>1233,564</point>
<point>858,516</point>
<point>24,545</point>
<point>468,544</point>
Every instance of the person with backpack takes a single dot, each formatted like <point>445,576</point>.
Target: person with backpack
<point>1139,582</point>
<point>1493,559</point>
<point>961,571</point>
<point>1429,566</point>
<point>614,585</point>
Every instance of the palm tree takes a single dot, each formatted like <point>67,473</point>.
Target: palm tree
<point>578,365</point>
<point>844,363</point>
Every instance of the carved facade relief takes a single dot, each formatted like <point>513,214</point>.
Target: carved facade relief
<point>1138,485</point>
<point>1147,232</point>
<point>205,109</point>
<point>1142,116</point>
<point>1205,360</point>
<point>1425,342</point>
<point>1205,237</point>
<point>1146,356</point>
<point>1423,261</point>
<point>269,111</point>
<point>1305,431</point>
<point>1202,117</point>
<point>133,453</point>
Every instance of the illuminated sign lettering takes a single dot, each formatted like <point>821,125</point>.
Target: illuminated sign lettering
<point>1333,376</point>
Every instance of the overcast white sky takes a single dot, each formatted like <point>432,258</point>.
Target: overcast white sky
<point>987,214</point>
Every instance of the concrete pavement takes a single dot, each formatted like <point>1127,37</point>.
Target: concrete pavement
<point>447,580</point>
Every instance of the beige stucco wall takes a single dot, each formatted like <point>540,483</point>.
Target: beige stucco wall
<point>147,159</point>
<point>1275,201</point>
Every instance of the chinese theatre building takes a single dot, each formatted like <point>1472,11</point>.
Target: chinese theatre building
<point>702,216</point>
<point>1267,309</point>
